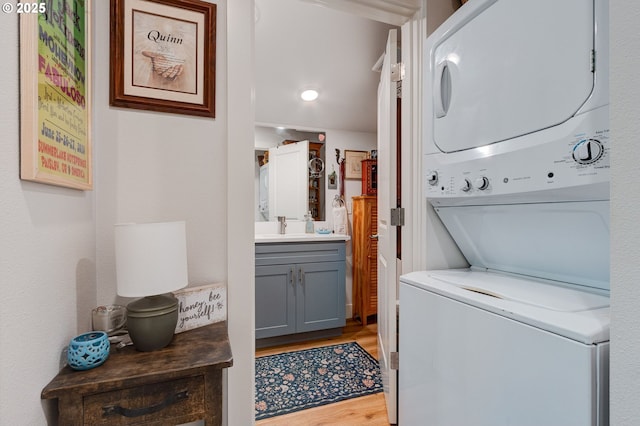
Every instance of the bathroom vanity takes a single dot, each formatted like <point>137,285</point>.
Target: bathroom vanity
<point>300,287</point>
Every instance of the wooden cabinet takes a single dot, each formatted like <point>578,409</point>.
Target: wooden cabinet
<point>365,257</point>
<point>300,288</point>
<point>315,173</point>
<point>177,384</point>
<point>316,181</point>
<point>369,177</point>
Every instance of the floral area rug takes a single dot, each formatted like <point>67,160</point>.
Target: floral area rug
<point>298,380</point>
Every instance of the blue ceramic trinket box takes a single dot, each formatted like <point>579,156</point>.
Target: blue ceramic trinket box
<point>88,350</point>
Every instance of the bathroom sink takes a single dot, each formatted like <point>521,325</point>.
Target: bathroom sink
<point>264,238</point>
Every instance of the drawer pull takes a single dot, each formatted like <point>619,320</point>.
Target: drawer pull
<point>137,412</point>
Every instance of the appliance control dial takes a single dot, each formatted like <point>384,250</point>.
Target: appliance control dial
<point>481,183</point>
<point>432,178</point>
<point>466,185</point>
<point>588,151</point>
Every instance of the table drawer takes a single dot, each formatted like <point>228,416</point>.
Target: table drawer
<point>181,400</point>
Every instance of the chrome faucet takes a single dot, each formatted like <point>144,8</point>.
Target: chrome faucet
<point>282,224</point>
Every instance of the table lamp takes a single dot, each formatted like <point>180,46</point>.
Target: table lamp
<point>151,261</point>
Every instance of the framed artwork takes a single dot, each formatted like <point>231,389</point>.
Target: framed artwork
<point>333,180</point>
<point>163,56</point>
<point>353,164</point>
<point>55,94</point>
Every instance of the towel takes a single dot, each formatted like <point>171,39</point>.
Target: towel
<point>340,220</point>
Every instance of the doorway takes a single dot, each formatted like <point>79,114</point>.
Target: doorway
<point>302,69</point>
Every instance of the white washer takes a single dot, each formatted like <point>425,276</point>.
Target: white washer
<point>517,148</point>
<point>490,349</point>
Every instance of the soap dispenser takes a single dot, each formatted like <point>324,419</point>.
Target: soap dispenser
<point>309,223</point>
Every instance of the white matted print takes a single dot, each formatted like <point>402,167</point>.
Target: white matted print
<point>165,52</point>
<point>353,163</point>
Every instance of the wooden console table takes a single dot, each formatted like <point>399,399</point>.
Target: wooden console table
<point>180,383</point>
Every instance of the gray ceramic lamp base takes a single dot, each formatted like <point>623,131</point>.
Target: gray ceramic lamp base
<point>151,321</point>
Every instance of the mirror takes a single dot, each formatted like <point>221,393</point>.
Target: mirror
<point>289,173</point>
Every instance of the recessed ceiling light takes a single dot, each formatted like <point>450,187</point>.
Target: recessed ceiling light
<point>309,95</point>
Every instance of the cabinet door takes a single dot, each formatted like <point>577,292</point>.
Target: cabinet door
<point>320,295</point>
<point>275,300</point>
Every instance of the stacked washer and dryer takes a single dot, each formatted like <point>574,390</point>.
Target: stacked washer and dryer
<point>517,149</point>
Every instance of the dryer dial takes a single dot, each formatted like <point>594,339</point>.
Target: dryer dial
<point>432,178</point>
<point>481,183</point>
<point>588,151</point>
<point>466,185</point>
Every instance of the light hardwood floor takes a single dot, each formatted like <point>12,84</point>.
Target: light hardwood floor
<point>366,410</point>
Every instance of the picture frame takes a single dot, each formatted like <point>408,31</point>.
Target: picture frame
<point>332,180</point>
<point>353,163</point>
<point>55,96</point>
<point>163,56</point>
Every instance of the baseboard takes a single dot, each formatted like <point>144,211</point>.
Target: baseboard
<point>298,337</point>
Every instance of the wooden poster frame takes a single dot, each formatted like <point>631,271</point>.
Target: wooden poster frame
<point>55,95</point>
<point>163,56</point>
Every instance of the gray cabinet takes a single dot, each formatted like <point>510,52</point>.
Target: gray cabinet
<point>300,288</point>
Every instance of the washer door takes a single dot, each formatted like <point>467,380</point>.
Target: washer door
<point>502,69</point>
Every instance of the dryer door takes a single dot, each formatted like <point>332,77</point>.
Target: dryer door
<point>502,69</point>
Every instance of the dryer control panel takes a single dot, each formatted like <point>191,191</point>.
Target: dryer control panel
<point>569,162</point>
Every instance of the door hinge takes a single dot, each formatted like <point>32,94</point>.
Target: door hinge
<point>394,359</point>
<point>593,60</point>
<point>397,216</point>
<point>397,71</point>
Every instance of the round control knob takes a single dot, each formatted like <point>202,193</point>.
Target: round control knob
<point>432,178</point>
<point>587,151</point>
<point>481,183</point>
<point>466,185</point>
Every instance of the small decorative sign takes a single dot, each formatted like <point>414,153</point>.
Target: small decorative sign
<point>200,306</point>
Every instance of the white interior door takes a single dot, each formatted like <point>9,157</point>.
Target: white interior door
<point>289,180</point>
<point>387,134</point>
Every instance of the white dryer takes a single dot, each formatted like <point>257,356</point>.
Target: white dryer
<point>517,147</point>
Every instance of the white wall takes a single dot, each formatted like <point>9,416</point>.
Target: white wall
<point>160,167</point>
<point>241,278</point>
<point>343,140</point>
<point>625,213</point>
<point>153,166</point>
<point>56,254</point>
<point>47,262</point>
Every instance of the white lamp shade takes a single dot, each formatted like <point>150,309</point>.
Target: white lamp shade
<point>151,258</point>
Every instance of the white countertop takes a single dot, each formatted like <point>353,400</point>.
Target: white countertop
<point>299,237</point>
